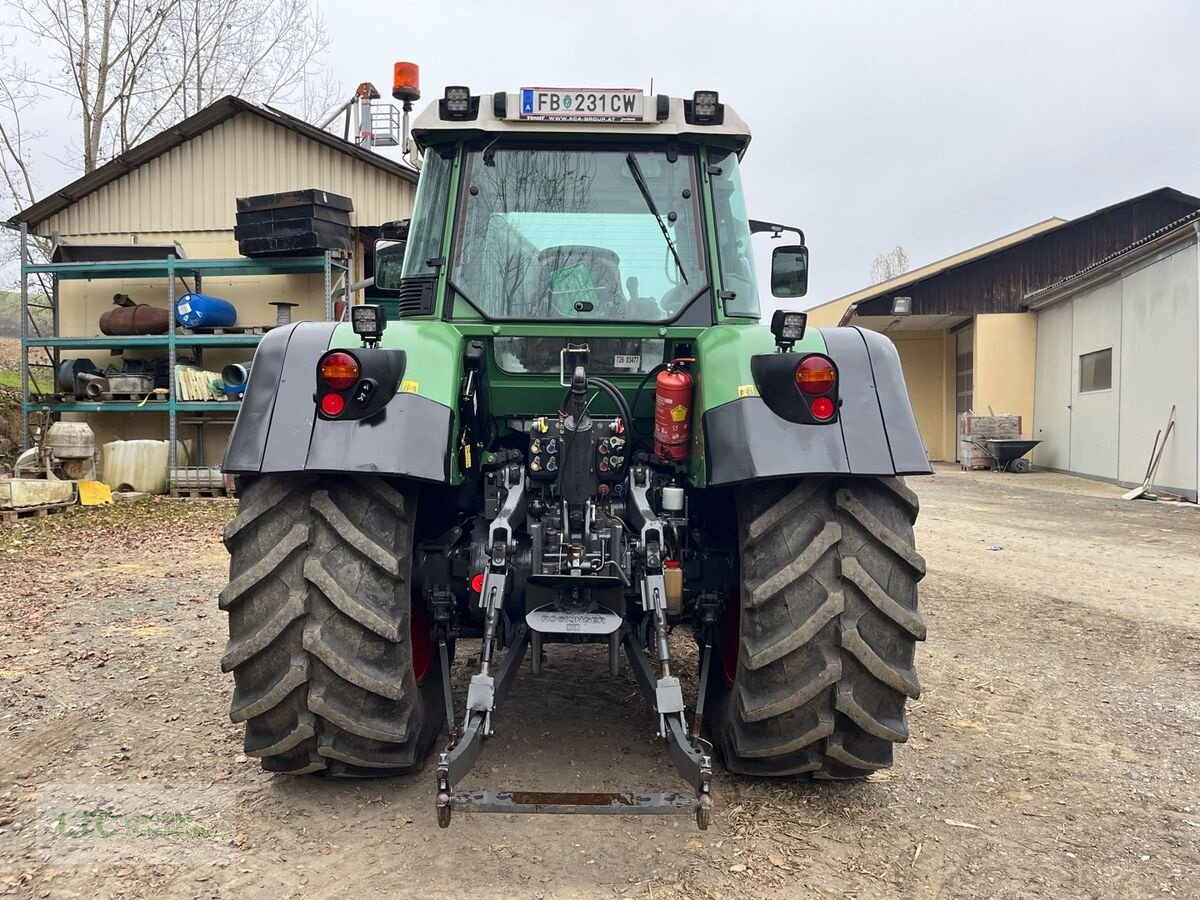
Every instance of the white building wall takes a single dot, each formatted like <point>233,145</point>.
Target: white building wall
<point>1095,415</point>
<point>1159,341</point>
<point>1149,314</point>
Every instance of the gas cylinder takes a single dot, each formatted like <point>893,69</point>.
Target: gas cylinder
<point>672,411</point>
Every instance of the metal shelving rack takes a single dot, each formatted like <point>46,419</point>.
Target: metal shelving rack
<point>170,269</point>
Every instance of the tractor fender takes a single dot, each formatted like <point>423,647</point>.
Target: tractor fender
<point>875,433</point>
<point>278,429</point>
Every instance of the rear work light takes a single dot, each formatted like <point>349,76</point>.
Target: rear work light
<point>339,371</point>
<point>368,321</point>
<point>705,108</point>
<point>458,103</point>
<point>815,375</point>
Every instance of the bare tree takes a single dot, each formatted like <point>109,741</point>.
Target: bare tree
<point>888,265</point>
<point>101,52</point>
<point>130,67</point>
<point>265,51</point>
<point>17,186</point>
<point>16,96</point>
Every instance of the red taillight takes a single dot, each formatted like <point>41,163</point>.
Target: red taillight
<point>477,582</point>
<point>333,404</point>
<point>822,408</point>
<point>815,375</point>
<point>339,371</point>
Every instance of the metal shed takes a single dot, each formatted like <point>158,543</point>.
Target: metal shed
<point>1118,347</point>
<point>180,188</point>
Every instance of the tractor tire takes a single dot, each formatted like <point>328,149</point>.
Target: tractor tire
<point>817,659</point>
<point>333,664</point>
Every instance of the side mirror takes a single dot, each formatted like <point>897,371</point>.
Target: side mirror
<point>389,264</point>
<point>789,271</point>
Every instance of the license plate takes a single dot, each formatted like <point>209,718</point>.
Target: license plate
<point>590,104</point>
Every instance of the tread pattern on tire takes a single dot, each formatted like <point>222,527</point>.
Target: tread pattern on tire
<point>828,627</point>
<point>320,649</point>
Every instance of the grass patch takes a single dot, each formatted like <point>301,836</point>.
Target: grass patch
<point>10,315</point>
<point>11,379</point>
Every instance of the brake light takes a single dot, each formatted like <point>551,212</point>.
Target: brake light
<point>822,408</point>
<point>339,371</point>
<point>816,375</point>
<point>333,404</point>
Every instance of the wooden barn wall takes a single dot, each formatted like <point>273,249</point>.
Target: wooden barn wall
<point>999,283</point>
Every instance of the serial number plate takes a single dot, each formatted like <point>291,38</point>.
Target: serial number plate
<point>590,104</point>
<point>549,621</point>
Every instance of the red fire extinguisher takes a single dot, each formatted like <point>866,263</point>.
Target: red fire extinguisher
<point>672,411</point>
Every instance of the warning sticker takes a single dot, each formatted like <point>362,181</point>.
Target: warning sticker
<point>679,413</point>
<point>409,387</point>
<point>747,390</point>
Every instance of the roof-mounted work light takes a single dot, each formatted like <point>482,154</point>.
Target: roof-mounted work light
<point>788,327</point>
<point>368,322</point>
<point>458,104</point>
<point>704,108</point>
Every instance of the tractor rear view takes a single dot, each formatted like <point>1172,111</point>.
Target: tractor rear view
<point>575,430</point>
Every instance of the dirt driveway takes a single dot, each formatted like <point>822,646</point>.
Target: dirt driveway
<point>1055,751</point>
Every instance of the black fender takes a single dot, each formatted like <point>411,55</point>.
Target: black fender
<point>875,433</point>
<point>278,429</point>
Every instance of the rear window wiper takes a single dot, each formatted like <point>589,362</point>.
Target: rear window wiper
<point>638,177</point>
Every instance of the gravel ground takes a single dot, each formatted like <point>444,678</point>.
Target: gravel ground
<point>1055,751</point>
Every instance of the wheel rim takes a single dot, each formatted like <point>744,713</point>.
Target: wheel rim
<point>731,638</point>
<point>421,630</point>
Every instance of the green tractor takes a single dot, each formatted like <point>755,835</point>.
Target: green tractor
<point>574,429</point>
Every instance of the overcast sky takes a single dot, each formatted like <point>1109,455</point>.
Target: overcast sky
<point>934,125</point>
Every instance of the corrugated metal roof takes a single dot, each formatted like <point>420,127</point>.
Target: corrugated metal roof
<point>936,268</point>
<point>1038,297</point>
<point>852,303</point>
<point>183,133</point>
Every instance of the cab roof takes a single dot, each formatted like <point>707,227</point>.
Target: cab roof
<point>430,127</point>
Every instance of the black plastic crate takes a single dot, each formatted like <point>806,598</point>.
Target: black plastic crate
<point>309,197</point>
<point>298,244</point>
<point>293,213</point>
<point>289,228</point>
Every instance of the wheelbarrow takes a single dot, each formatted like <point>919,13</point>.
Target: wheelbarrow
<point>1008,454</point>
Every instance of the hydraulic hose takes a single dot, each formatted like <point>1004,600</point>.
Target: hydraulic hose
<point>617,397</point>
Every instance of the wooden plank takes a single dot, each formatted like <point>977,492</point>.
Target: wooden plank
<point>8,516</point>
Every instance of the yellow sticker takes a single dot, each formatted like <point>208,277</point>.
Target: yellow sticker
<point>679,413</point>
<point>409,387</point>
<point>747,390</point>
<point>466,456</point>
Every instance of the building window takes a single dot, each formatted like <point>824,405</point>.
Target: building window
<point>1095,371</point>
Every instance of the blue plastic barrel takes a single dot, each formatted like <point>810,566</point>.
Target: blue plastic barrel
<point>202,311</point>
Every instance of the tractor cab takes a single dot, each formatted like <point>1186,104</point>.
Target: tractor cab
<point>577,208</point>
